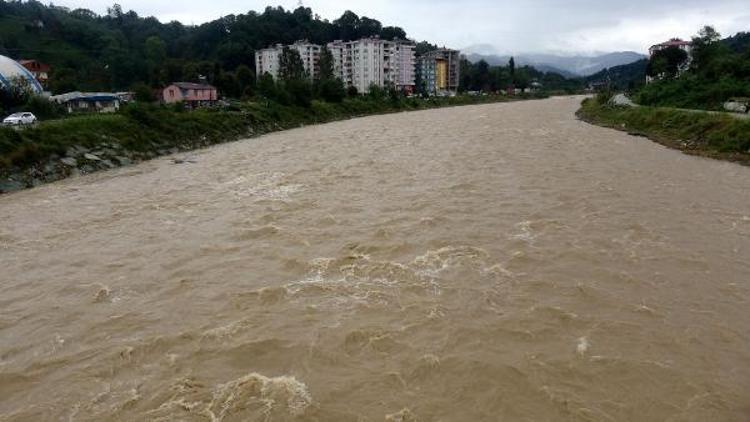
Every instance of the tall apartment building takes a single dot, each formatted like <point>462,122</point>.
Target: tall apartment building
<point>361,63</point>
<point>341,61</point>
<point>438,71</point>
<point>267,60</point>
<point>400,65</point>
<point>372,61</point>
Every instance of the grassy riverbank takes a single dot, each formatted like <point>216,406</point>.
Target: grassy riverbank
<point>56,149</point>
<point>711,135</point>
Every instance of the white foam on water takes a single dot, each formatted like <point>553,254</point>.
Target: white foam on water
<point>284,394</point>
<point>263,186</point>
<point>583,346</point>
<point>526,233</point>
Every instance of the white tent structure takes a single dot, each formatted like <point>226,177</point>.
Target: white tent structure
<point>11,72</point>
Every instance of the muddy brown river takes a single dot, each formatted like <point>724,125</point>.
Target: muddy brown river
<point>499,262</point>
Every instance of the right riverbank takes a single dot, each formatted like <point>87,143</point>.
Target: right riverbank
<point>718,136</point>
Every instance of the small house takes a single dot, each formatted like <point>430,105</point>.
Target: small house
<point>88,102</point>
<point>193,95</point>
<point>40,70</point>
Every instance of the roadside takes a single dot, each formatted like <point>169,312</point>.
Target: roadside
<point>57,149</point>
<point>623,101</point>
<point>717,135</point>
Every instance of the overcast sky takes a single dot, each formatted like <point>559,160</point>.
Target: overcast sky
<point>509,26</point>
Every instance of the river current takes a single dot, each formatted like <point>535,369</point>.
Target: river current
<point>501,262</point>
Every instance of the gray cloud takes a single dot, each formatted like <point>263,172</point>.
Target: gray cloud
<point>509,26</point>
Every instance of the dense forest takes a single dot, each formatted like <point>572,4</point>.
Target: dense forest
<point>120,49</point>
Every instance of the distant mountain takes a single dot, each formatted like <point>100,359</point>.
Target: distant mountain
<point>623,77</point>
<point>568,66</point>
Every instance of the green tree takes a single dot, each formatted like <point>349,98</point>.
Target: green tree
<point>325,64</point>
<point>512,70</point>
<point>245,79</point>
<point>143,93</point>
<point>666,62</point>
<point>267,86</point>
<point>291,67</point>
<point>156,54</point>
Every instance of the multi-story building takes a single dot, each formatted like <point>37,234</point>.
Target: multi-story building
<point>310,55</point>
<point>361,63</point>
<point>685,46</point>
<point>372,61</point>
<point>366,63</point>
<point>341,61</point>
<point>438,72</point>
<point>399,64</point>
<point>267,60</point>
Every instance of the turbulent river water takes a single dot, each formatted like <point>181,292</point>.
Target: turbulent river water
<point>499,262</point>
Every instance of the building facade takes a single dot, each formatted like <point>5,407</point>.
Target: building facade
<point>88,102</point>
<point>267,59</point>
<point>685,46</point>
<point>374,62</point>
<point>191,94</point>
<point>360,64</point>
<point>438,72</point>
<point>40,70</point>
<point>400,65</point>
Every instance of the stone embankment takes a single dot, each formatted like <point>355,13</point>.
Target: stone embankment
<point>80,160</point>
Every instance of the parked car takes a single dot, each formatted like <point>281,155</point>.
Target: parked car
<point>738,105</point>
<point>18,119</point>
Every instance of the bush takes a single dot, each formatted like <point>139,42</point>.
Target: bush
<point>143,93</point>
<point>300,92</point>
<point>604,96</point>
<point>332,90</point>
<point>43,108</point>
<point>144,114</point>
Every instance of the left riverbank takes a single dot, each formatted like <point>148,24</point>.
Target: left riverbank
<point>54,150</point>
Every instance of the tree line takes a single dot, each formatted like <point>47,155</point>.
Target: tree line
<point>480,76</point>
<point>714,71</point>
<point>120,49</point>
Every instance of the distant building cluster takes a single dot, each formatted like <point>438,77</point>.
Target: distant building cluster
<point>371,62</point>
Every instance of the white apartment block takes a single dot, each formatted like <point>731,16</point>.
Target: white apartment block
<point>400,58</point>
<point>361,63</point>
<point>372,61</point>
<point>267,60</point>
<point>310,55</point>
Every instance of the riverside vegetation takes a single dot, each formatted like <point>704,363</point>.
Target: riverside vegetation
<point>715,135</point>
<point>55,149</point>
<point>718,70</point>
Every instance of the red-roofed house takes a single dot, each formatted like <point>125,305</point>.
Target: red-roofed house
<point>192,94</point>
<point>674,42</point>
<point>38,69</point>
<point>685,46</point>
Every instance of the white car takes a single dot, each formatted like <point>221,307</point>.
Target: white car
<point>17,119</point>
